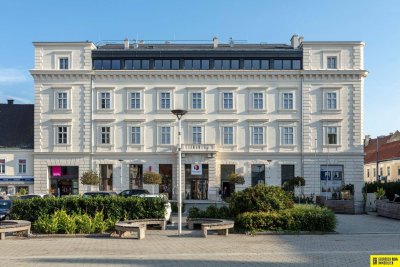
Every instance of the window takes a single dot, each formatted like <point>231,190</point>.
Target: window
<point>196,131</point>
<point>388,171</point>
<point>256,64</point>
<point>257,174</point>
<point>115,64</point>
<point>331,100</point>
<point>380,171</point>
<point>165,135</point>
<point>64,63</point>
<point>398,171</point>
<point>22,166</point>
<point>332,62</point>
<point>105,135</point>
<point>367,172</point>
<point>258,135</point>
<point>105,100</point>
<point>228,135</point>
<point>332,135</point>
<point>135,100</point>
<point>374,171</point>
<point>62,100</point>
<point>166,64</point>
<point>226,64</point>
<point>296,64</point>
<point>165,100</point>
<point>196,64</point>
<point>2,166</point>
<point>62,135</point>
<point>135,135</point>
<point>278,64</point>
<point>228,100</point>
<point>196,101</point>
<point>258,100</point>
<point>288,136</point>
<point>287,100</point>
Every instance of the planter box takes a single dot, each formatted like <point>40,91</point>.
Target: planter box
<point>339,206</point>
<point>389,209</point>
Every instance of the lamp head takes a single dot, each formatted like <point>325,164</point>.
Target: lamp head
<point>179,113</point>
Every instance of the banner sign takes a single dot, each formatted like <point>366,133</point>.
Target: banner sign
<point>56,170</point>
<point>331,179</point>
<point>197,169</point>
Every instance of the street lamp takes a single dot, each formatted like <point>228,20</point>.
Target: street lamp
<point>377,156</point>
<point>179,113</point>
<point>269,170</point>
<point>120,173</point>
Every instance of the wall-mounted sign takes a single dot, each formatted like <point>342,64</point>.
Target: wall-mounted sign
<point>56,170</point>
<point>197,169</point>
<point>331,179</point>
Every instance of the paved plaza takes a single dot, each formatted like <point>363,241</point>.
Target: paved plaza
<point>358,237</point>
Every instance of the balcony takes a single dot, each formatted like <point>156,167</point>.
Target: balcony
<point>198,148</point>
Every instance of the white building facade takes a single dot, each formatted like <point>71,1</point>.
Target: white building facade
<point>268,112</point>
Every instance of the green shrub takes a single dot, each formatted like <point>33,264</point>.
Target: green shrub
<point>113,208</point>
<point>299,218</point>
<point>211,212</point>
<point>65,223</point>
<point>260,198</point>
<point>84,224</point>
<point>391,188</point>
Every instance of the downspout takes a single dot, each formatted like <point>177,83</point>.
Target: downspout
<point>302,126</point>
<point>91,122</point>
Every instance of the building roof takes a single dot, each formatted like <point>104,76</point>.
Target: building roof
<point>16,122</point>
<point>389,148</point>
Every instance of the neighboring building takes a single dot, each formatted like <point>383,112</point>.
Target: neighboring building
<point>16,148</point>
<point>255,109</point>
<point>388,166</point>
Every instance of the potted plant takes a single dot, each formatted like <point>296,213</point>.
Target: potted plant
<point>152,178</point>
<point>90,178</point>
<point>347,191</point>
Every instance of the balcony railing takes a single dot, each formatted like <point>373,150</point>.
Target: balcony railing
<point>198,147</point>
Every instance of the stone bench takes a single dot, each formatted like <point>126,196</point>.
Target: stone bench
<point>222,226</point>
<point>138,226</point>
<point>12,226</point>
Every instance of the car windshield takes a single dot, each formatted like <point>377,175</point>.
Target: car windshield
<point>4,204</point>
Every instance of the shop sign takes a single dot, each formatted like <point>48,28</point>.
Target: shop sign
<point>56,170</point>
<point>197,169</point>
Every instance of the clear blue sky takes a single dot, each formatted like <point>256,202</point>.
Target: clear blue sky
<point>377,23</point>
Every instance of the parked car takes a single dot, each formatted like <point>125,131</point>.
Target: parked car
<point>99,194</point>
<point>5,209</point>
<point>168,208</point>
<point>29,196</point>
<point>134,192</point>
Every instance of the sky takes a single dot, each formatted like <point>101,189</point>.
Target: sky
<point>377,23</point>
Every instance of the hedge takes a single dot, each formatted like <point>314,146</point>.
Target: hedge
<point>390,188</point>
<point>113,208</point>
<point>211,212</point>
<point>260,198</point>
<point>299,218</point>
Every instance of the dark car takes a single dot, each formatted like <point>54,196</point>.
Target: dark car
<point>134,192</point>
<point>30,196</point>
<point>5,209</point>
<point>99,194</point>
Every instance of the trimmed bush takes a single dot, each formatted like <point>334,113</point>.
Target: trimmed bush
<point>391,188</point>
<point>211,212</point>
<point>112,208</point>
<point>299,218</point>
<point>260,198</point>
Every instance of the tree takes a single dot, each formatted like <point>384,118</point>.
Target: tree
<point>152,178</point>
<point>90,178</point>
<point>289,185</point>
<point>235,178</point>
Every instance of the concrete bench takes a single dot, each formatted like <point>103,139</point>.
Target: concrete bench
<point>12,226</point>
<point>222,226</point>
<point>161,222</point>
<point>139,229</point>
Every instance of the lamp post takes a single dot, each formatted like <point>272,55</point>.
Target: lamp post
<point>120,173</point>
<point>269,170</point>
<point>179,113</point>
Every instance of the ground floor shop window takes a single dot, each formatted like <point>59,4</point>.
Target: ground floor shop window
<point>196,181</point>
<point>227,188</point>
<point>64,180</point>
<point>106,177</point>
<point>287,173</point>
<point>257,174</point>
<point>135,176</point>
<point>166,186</point>
<point>331,180</point>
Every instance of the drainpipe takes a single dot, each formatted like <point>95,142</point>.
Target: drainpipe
<point>302,127</point>
<point>91,122</point>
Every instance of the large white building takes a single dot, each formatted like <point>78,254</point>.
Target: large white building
<point>267,111</point>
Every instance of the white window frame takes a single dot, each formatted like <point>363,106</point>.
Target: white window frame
<point>288,124</point>
<point>227,133</point>
<point>62,90</point>
<point>22,167</point>
<point>388,171</point>
<point>282,92</point>
<point>135,123</point>
<point>198,132</point>
<point>328,125</point>
<point>328,54</point>
<point>2,166</point>
<point>160,91</point>
<point>62,123</point>
<point>105,95</point>
<point>163,141</point>
<point>64,135</point>
<point>129,92</point>
<point>134,131</point>
<point>332,130</point>
<point>63,66</point>
<point>62,54</point>
<point>222,92</point>
<point>285,131</point>
<point>199,100</point>
<point>325,93</point>
<point>252,92</point>
<point>291,98</point>
<point>190,92</point>
<point>255,131</point>
<point>100,135</point>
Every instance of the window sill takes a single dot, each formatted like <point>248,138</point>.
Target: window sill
<point>287,111</point>
<point>60,110</point>
<point>258,146</point>
<point>105,145</point>
<point>105,111</point>
<point>228,110</point>
<point>332,145</point>
<point>331,111</point>
<point>197,110</point>
<point>288,146</point>
<point>164,110</point>
<point>251,110</point>
<point>62,145</point>
<point>138,111</point>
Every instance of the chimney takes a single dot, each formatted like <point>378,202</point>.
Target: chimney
<point>295,41</point>
<point>366,140</point>
<point>135,44</point>
<point>215,42</point>
<point>301,39</point>
<point>126,43</point>
<point>231,43</point>
<point>10,101</point>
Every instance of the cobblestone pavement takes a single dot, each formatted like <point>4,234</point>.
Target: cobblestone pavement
<point>165,248</point>
<point>366,224</point>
